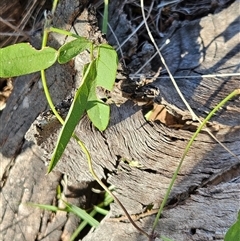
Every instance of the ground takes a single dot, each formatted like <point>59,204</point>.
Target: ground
<point>204,39</point>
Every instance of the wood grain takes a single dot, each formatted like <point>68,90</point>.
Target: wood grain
<point>205,199</point>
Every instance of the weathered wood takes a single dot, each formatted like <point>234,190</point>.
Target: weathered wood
<point>204,216</point>
<point>205,198</point>
<point>160,149</point>
<point>23,167</point>
<point>26,182</point>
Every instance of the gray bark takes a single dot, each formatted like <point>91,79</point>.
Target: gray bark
<point>205,198</point>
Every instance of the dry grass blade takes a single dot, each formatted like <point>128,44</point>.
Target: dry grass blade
<point>16,29</point>
<point>16,18</point>
<point>194,116</point>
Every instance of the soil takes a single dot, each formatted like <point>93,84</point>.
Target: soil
<point>137,156</point>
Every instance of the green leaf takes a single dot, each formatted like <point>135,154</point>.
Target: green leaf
<point>22,58</point>
<point>107,199</point>
<point>74,115</point>
<point>69,208</point>
<point>72,49</point>
<point>82,214</point>
<point>148,114</point>
<point>234,231</point>
<point>106,68</point>
<point>107,62</point>
<point>45,207</point>
<point>165,238</point>
<point>97,110</point>
<point>101,210</point>
<point>99,114</point>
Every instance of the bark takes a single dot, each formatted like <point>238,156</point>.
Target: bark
<point>137,156</point>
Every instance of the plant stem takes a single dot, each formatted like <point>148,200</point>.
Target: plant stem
<point>84,223</point>
<point>55,3</point>
<point>47,29</point>
<point>209,116</point>
<point>105,17</point>
<point>63,32</point>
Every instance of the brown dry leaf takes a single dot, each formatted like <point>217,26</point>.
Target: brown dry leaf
<point>160,113</point>
<point>6,88</point>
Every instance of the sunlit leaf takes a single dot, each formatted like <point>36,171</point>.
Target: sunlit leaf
<point>72,49</point>
<point>97,110</point>
<point>234,231</point>
<point>99,114</point>
<point>22,58</point>
<point>106,68</point>
<point>74,115</point>
<point>107,62</point>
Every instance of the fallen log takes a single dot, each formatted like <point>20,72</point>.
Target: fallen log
<point>138,156</point>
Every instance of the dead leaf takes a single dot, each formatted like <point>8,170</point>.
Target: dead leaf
<point>6,88</point>
<point>161,113</point>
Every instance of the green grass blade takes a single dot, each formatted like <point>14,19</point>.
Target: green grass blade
<point>107,200</point>
<point>74,115</point>
<point>22,58</point>
<point>82,225</point>
<point>101,210</point>
<point>105,17</point>
<point>45,207</point>
<point>165,238</point>
<point>209,116</point>
<point>69,208</point>
<point>82,214</point>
